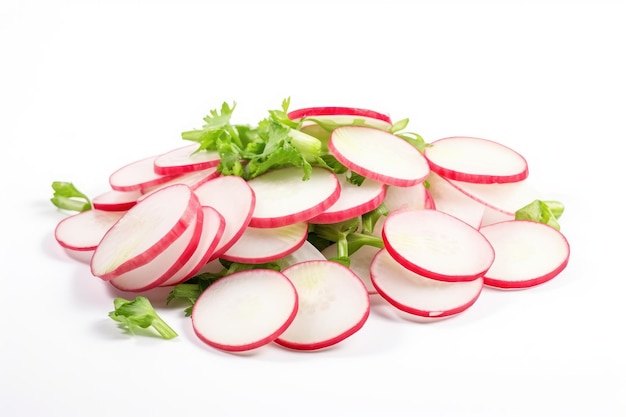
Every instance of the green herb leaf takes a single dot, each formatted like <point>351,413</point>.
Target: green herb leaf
<point>542,212</point>
<point>67,197</point>
<point>139,313</point>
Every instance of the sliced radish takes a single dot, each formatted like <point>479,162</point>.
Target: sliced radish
<point>212,230</point>
<point>267,244</point>
<point>283,197</point>
<point>114,200</point>
<point>451,200</point>
<point>333,304</point>
<point>235,200</point>
<point>418,295</point>
<point>360,262</point>
<point>185,159</point>
<point>353,201</point>
<point>437,245</point>
<point>192,179</point>
<point>475,160</point>
<point>83,231</point>
<point>245,310</point>
<point>341,115</point>
<point>414,197</point>
<point>306,252</point>
<point>506,197</point>
<point>378,155</point>
<point>527,253</point>
<point>163,266</point>
<point>145,231</point>
<point>137,175</point>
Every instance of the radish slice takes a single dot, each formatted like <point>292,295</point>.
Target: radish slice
<point>212,230</point>
<point>333,304</point>
<point>374,154</point>
<point>306,252</point>
<point>137,175</point>
<point>345,115</point>
<point>245,310</point>
<point>83,231</point>
<point>360,262</point>
<point>353,201</point>
<point>418,295</point>
<point>192,179</point>
<point>437,245</point>
<point>527,253</point>
<point>145,231</point>
<point>451,200</point>
<point>163,266</point>
<point>235,200</point>
<point>185,159</point>
<point>262,244</point>
<point>114,200</point>
<point>283,198</point>
<point>506,197</point>
<point>475,160</point>
<point>413,197</point>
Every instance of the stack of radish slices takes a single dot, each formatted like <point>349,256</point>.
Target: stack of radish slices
<point>450,231</point>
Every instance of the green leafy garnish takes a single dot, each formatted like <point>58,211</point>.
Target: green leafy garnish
<point>139,313</point>
<point>67,197</point>
<point>541,211</point>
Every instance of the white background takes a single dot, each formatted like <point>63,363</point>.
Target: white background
<point>88,86</point>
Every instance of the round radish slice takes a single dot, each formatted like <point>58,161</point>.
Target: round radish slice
<point>192,179</point>
<point>245,310</point>
<point>360,262</point>
<point>418,295</point>
<point>353,201</point>
<point>475,160</point>
<point>145,231</point>
<point>378,155</point>
<point>414,197</point>
<point>137,175</point>
<point>437,245</point>
<point>284,198</point>
<point>451,200</point>
<point>235,200</point>
<point>114,200</point>
<point>185,159</point>
<point>258,245</point>
<point>83,231</point>
<point>306,252</point>
<point>345,115</point>
<point>333,304</point>
<point>527,253</point>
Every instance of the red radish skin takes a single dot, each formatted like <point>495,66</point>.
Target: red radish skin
<point>245,310</point>
<point>83,231</point>
<point>475,160</point>
<point>185,159</point>
<point>527,254</point>
<point>315,112</point>
<point>192,179</point>
<point>114,200</point>
<point>137,175</point>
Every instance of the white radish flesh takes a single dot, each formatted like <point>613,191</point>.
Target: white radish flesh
<point>284,198</point>
<point>348,115</point>
<point>418,295</point>
<point>360,262</point>
<point>378,155</point>
<point>437,245</point>
<point>475,160</point>
<point>451,200</point>
<point>185,159</point>
<point>137,175</point>
<point>192,179</point>
<point>145,231</point>
<point>306,252</point>
<point>527,253</point>
<point>506,197</point>
<point>114,200</point>
<point>245,310</point>
<point>83,231</point>
<point>333,304</point>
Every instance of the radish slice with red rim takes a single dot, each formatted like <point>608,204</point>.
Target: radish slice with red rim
<point>185,159</point>
<point>258,245</point>
<point>451,200</point>
<point>417,295</point>
<point>527,253</point>
<point>374,153</point>
<point>83,231</point>
<point>360,262</point>
<point>245,310</point>
<point>114,200</point>
<point>437,245</point>
<point>333,304</point>
<point>347,115</point>
<point>475,160</point>
<point>284,198</point>
<point>192,179</point>
<point>137,175</point>
<point>145,231</point>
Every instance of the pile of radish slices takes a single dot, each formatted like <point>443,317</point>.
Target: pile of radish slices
<point>449,231</point>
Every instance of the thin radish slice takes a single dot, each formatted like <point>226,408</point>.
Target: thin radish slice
<point>333,304</point>
<point>113,200</point>
<point>145,231</point>
<point>284,198</point>
<point>185,159</point>
<point>245,310</point>
<point>360,262</point>
<point>235,200</point>
<point>437,245</point>
<point>83,231</point>
<point>137,175</point>
<point>527,253</point>
<point>492,215</point>
<point>192,179</point>
<point>418,295</point>
<point>346,114</point>
<point>212,230</point>
<point>506,197</point>
<point>375,154</point>
<point>306,252</point>
<point>475,160</point>
<point>163,266</point>
<point>451,200</point>
<point>262,244</point>
<point>353,201</point>
<point>398,198</point>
